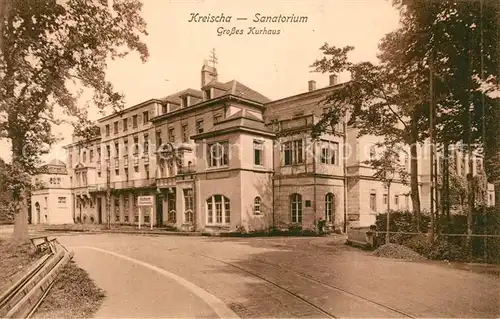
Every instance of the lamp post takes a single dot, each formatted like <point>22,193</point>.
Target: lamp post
<point>389,175</point>
<point>108,194</point>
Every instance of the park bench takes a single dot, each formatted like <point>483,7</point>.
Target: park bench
<point>43,243</point>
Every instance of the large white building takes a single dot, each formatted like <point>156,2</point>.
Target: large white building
<point>225,156</point>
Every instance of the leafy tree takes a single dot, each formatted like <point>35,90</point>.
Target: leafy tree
<point>48,48</point>
<point>388,99</point>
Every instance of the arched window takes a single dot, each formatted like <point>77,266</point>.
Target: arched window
<point>296,208</point>
<point>329,207</point>
<point>37,208</point>
<point>218,210</point>
<point>257,206</point>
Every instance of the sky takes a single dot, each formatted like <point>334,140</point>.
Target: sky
<point>274,65</point>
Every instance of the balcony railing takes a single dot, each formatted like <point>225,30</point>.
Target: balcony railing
<point>186,170</point>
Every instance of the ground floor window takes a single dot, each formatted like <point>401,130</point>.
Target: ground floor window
<point>188,206</point>
<point>257,203</point>
<point>218,210</point>
<point>329,206</point>
<point>296,208</point>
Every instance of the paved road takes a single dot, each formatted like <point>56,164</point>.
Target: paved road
<point>193,277</point>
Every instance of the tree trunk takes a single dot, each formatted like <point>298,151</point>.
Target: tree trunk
<point>19,194</point>
<point>415,194</point>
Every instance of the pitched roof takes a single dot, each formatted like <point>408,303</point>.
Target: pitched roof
<point>56,162</point>
<point>239,89</point>
<point>176,97</point>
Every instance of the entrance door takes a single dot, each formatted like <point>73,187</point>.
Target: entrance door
<point>99,210</point>
<point>159,210</point>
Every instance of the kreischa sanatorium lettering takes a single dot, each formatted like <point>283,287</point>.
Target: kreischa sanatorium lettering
<point>279,19</point>
<point>258,18</point>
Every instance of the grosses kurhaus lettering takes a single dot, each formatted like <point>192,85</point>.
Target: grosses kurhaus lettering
<point>196,17</point>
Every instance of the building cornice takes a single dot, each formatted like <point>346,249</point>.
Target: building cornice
<point>129,109</point>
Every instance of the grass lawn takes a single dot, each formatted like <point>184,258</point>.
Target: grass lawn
<point>74,295</point>
<point>15,257</point>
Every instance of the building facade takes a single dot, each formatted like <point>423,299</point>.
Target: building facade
<point>52,203</point>
<point>224,157</point>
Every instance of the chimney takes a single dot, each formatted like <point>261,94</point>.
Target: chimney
<point>312,85</point>
<point>333,79</point>
<point>208,74</point>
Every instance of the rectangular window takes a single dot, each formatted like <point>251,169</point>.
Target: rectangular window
<point>136,145</point>
<point>107,130</point>
<point>185,135</point>
<point>171,135</point>
<point>145,117</point>
<point>396,200</point>
<point>258,148</point>
<point>207,92</point>
<point>218,154</point>
<point>146,169</point>
<point>217,118</point>
<point>373,202</point>
<point>61,201</point>
<point>158,138</point>
<point>185,101</point>
<point>372,152</point>
<point>134,121</point>
<point>329,154</point>
<point>117,150</point>
<point>91,156</point>
<point>98,154</point>
<point>199,126</point>
<point>108,151</point>
<point>297,151</point>
<point>164,109</point>
<point>125,125</point>
<point>188,200</point>
<point>125,146</point>
<point>115,127</point>
<point>146,144</point>
<point>288,153</point>
<point>385,199</point>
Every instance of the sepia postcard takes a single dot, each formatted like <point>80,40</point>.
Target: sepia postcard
<point>249,159</point>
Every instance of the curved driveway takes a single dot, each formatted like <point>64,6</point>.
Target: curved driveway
<point>193,277</point>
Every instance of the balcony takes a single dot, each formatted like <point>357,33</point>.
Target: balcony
<point>165,182</point>
<point>186,170</point>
